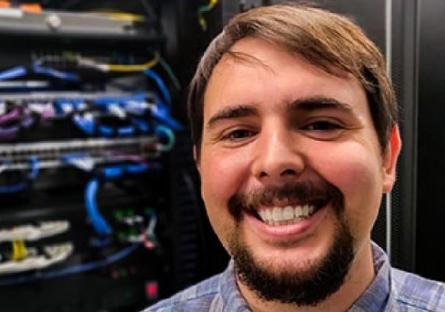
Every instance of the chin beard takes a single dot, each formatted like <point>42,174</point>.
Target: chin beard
<point>302,287</point>
<point>306,287</point>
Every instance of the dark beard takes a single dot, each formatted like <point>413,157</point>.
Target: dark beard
<point>319,280</point>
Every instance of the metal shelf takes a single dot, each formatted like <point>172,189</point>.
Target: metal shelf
<point>50,153</point>
<point>14,22</point>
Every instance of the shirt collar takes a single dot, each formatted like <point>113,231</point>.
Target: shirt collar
<point>376,296</point>
<point>230,293</point>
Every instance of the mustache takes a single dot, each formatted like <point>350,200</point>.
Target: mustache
<point>291,193</point>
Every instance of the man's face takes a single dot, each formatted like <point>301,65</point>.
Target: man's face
<point>289,159</point>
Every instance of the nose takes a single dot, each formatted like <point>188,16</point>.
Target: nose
<point>278,157</point>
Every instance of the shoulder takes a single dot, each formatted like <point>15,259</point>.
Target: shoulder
<point>415,293</point>
<point>199,297</point>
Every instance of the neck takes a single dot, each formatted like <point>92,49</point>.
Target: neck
<point>359,277</point>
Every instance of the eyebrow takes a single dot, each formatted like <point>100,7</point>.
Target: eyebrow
<point>316,103</point>
<point>232,113</point>
<point>304,104</point>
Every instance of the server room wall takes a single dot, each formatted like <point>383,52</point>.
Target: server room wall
<point>430,253</point>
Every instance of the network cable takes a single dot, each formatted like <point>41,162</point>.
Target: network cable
<point>10,132</point>
<point>121,16</point>
<point>85,122</point>
<point>81,161</point>
<point>16,119</point>
<point>12,115</point>
<point>51,72</point>
<point>161,112</point>
<point>99,223</point>
<point>19,250</point>
<point>205,9</point>
<point>109,173</point>
<point>91,63</point>
<point>22,71</point>
<point>149,237</point>
<point>88,123</point>
<point>162,131</point>
<point>150,73</point>
<point>45,110</point>
<point>124,109</point>
<point>30,232</point>
<point>67,106</point>
<point>26,259</point>
<point>82,268</point>
<point>21,186</point>
<point>12,73</point>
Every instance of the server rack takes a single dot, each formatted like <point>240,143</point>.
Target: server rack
<point>99,206</point>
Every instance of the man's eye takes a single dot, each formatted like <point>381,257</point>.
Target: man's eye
<point>238,134</point>
<point>323,130</point>
<point>322,126</point>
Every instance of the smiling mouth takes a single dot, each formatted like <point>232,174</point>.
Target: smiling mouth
<point>287,214</point>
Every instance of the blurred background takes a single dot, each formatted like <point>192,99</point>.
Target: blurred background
<point>99,197</point>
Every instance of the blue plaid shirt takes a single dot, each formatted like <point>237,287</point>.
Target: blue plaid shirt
<point>391,290</point>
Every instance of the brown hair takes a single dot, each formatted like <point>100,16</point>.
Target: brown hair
<point>327,40</point>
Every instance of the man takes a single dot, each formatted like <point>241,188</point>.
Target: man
<point>294,123</point>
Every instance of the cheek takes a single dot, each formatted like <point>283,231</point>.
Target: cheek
<point>359,176</point>
<point>221,177</point>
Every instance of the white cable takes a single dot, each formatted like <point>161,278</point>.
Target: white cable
<point>54,254</point>
<point>28,232</point>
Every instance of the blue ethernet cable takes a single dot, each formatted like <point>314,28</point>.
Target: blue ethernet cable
<point>163,131</point>
<point>89,125</point>
<point>11,73</point>
<point>109,173</point>
<point>19,187</point>
<point>51,72</point>
<point>141,125</point>
<point>35,166</point>
<point>99,223</point>
<point>150,73</point>
<point>162,113</point>
<point>105,131</point>
<point>21,71</point>
<point>67,106</point>
<point>86,123</point>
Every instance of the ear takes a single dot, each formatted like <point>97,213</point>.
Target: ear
<point>390,159</point>
<point>196,158</point>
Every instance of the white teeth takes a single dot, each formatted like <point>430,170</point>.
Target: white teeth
<point>305,210</point>
<point>285,215</point>
<point>311,210</point>
<point>267,214</point>
<point>288,213</point>
<point>262,214</point>
<point>277,214</point>
<point>298,211</point>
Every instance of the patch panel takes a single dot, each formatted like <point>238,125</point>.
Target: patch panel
<point>52,154</point>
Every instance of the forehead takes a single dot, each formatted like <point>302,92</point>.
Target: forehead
<point>257,72</point>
